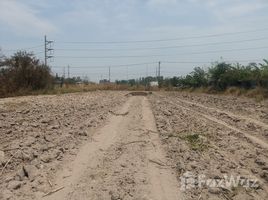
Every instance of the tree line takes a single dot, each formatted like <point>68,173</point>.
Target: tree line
<point>219,76</point>
<point>23,72</point>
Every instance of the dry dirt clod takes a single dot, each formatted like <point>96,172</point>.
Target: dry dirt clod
<point>30,171</point>
<point>6,194</point>
<point>265,175</point>
<point>2,157</point>
<point>14,185</point>
<point>214,190</point>
<point>259,161</point>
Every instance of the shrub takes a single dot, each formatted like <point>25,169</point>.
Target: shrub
<point>23,72</point>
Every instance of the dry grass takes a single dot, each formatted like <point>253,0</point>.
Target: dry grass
<point>257,93</point>
<point>78,88</point>
<point>93,87</point>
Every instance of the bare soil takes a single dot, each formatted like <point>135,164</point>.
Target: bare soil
<point>116,145</point>
<point>215,136</point>
<point>39,132</point>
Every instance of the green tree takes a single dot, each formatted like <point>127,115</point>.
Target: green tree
<point>199,77</point>
<point>24,71</point>
<point>264,74</point>
<point>217,76</point>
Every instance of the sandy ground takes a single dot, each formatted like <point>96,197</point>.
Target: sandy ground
<point>109,145</point>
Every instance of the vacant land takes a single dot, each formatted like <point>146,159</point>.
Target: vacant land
<point>215,136</point>
<point>109,145</point>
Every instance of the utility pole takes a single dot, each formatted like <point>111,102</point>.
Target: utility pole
<point>48,50</point>
<point>127,73</point>
<point>68,71</point>
<point>45,50</point>
<point>109,74</point>
<point>159,66</point>
<point>63,72</point>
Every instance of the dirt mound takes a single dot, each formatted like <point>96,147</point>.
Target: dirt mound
<point>138,93</point>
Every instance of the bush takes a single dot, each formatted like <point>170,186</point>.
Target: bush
<point>23,72</point>
<point>221,76</point>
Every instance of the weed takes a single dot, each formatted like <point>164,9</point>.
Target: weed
<point>195,141</point>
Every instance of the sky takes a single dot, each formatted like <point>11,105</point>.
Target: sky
<point>132,36</point>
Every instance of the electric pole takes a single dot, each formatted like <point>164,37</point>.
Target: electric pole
<point>159,66</point>
<point>63,75</point>
<point>127,73</point>
<point>109,74</point>
<point>45,50</point>
<point>48,50</point>
<point>68,71</point>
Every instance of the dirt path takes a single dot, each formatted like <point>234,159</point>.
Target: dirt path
<point>124,161</point>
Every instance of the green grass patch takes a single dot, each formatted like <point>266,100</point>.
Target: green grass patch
<point>196,141</point>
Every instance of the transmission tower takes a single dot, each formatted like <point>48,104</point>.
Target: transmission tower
<point>48,50</point>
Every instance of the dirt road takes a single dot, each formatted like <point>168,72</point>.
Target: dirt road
<point>124,161</point>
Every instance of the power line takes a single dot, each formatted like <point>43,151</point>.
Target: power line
<point>20,49</point>
<point>105,66</point>
<point>164,62</point>
<point>203,62</point>
<point>163,40</point>
<point>159,55</point>
<point>107,76</point>
<point>167,47</point>
<point>41,52</point>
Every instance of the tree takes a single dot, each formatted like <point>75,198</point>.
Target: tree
<point>2,57</point>
<point>217,76</point>
<point>24,71</point>
<point>264,73</point>
<point>199,77</point>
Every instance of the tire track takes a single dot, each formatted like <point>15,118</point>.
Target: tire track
<point>230,114</point>
<point>254,139</point>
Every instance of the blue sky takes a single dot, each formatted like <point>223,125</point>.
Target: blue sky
<point>23,24</point>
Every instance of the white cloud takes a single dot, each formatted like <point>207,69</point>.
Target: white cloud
<point>23,19</point>
<point>242,9</point>
<point>162,2</point>
<point>229,9</point>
